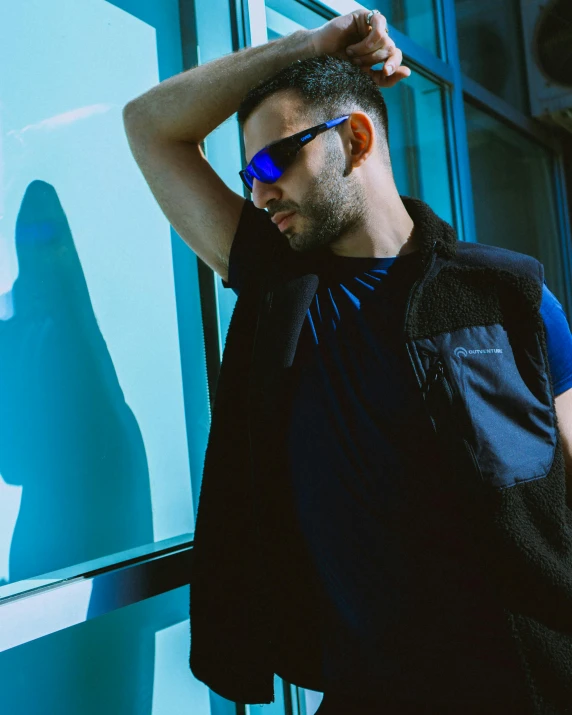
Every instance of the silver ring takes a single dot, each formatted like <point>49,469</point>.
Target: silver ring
<point>370,15</point>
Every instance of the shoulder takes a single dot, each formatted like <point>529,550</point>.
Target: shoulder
<point>559,340</point>
<point>552,309</point>
<point>499,259</point>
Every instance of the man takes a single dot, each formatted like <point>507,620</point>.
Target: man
<point>385,551</point>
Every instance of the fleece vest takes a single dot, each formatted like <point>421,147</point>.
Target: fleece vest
<point>476,344</point>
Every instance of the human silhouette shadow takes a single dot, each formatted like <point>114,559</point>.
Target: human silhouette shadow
<point>70,440</point>
<point>68,437</point>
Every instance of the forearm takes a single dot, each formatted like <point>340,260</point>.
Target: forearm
<point>190,105</point>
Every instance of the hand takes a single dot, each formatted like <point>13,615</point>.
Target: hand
<point>349,37</point>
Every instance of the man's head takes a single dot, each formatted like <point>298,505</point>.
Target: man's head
<point>328,184</point>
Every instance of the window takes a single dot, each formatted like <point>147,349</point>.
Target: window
<point>490,47</point>
<point>133,660</point>
<point>415,18</point>
<point>513,194</point>
<point>104,410</point>
<point>418,143</point>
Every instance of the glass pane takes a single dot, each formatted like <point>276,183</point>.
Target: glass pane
<point>513,194</point>
<point>133,661</point>
<point>309,701</point>
<point>418,142</point>
<point>415,18</point>
<point>223,145</point>
<point>490,47</point>
<point>95,456</point>
<point>286,16</point>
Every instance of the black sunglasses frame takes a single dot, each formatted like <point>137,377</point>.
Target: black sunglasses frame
<point>283,152</point>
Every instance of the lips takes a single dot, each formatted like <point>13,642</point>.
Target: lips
<point>279,217</point>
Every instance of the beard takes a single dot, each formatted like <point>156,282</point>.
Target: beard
<point>334,206</point>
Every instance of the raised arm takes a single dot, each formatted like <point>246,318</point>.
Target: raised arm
<point>166,124</point>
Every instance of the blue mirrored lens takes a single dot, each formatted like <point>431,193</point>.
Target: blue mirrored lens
<point>264,168</point>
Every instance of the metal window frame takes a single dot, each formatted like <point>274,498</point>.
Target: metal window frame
<point>48,603</point>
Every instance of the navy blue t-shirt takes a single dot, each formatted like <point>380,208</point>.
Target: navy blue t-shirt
<point>406,618</point>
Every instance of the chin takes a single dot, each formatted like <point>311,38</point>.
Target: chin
<point>295,245</point>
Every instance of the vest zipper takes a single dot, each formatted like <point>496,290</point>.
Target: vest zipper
<point>471,454</point>
<point>437,373</point>
<point>433,395</point>
<point>437,369</point>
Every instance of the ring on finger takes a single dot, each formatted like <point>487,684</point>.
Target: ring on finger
<point>370,15</point>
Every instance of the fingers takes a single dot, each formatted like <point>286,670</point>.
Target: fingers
<point>391,55</point>
<point>385,81</point>
<point>393,61</point>
<point>374,38</point>
<point>375,47</point>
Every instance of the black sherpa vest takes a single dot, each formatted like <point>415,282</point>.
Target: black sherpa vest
<point>476,344</point>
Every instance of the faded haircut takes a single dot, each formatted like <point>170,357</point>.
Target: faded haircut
<point>330,87</point>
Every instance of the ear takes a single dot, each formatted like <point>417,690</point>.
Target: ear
<point>362,137</point>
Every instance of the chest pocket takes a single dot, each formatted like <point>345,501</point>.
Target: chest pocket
<point>498,395</point>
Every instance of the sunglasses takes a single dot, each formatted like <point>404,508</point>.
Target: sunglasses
<point>271,162</point>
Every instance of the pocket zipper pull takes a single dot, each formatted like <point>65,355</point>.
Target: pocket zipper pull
<point>431,375</point>
<point>436,368</point>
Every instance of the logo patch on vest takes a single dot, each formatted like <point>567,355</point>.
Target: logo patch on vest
<point>499,403</point>
<point>462,352</point>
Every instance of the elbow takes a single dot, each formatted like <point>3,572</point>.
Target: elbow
<point>136,117</point>
<point>130,112</point>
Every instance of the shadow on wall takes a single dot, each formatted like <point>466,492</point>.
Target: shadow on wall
<point>71,442</point>
<point>68,437</point>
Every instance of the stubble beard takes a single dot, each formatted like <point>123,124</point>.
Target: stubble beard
<point>334,206</point>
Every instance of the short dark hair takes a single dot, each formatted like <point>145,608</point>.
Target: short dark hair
<point>330,86</point>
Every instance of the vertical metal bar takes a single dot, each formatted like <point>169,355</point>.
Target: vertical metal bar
<point>462,185</point>
<point>240,24</point>
<point>287,698</point>
<point>441,30</point>
<point>189,46</point>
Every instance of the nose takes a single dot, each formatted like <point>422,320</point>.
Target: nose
<point>262,193</point>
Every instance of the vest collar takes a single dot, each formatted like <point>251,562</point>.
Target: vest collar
<point>433,233</point>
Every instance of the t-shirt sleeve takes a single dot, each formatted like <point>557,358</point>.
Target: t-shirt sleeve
<point>252,248</point>
<point>558,341</point>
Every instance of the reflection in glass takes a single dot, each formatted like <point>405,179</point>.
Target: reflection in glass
<point>68,439</point>
<point>132,661</point>
<point>490,47</point>
<point>513,194</point>
<point>286,16</point>
<point>415,18</point>
<point>418,142</point>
